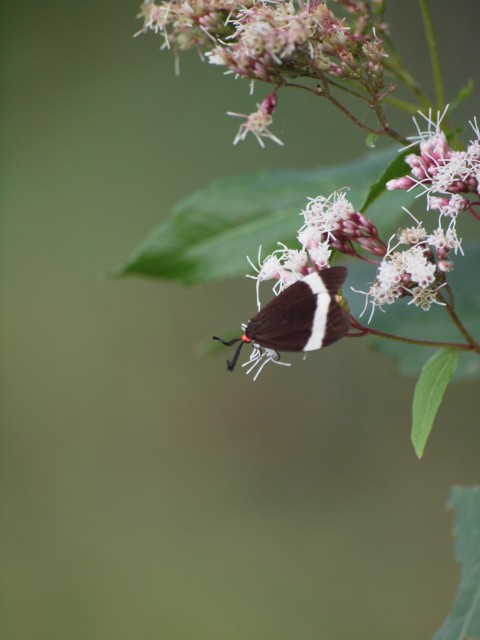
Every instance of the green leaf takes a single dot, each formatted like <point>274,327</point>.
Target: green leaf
<point>210,233</point>
<point>396,169</point>
<point>431,386</point>
<point>406,320</point>
<point>371,140</point>
<point>464,619</point>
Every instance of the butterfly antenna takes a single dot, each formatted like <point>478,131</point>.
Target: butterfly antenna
<point>231,364</point>
<point>228,343</point>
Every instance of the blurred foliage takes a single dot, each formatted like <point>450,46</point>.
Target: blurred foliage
<point>464,621</point>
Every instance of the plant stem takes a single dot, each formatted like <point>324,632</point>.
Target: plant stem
<point>385,131</point>
<point>433,51</point>
<point>423,343</point>
<point>350,115</point>
<point>349,90</point>
<point>297,85</point>
<point>458,323</point>
<point>382,118</point>
<point>324,93</point>
<point>473,212</point>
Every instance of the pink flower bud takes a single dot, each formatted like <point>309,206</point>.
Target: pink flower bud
<point>400,183</point>
<point>268,104</point>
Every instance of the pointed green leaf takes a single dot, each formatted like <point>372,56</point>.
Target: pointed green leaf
<point>395,169</point>
<point>464,619</point>
<point>210,233</point>
<point>431,386</point>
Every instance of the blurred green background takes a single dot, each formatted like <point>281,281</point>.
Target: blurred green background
<point>147,492</point>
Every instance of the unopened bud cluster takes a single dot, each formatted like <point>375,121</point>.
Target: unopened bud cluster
<point>446,176</point>
<point>269,40</point>
<point>275,40</point>
<point>335,221</point>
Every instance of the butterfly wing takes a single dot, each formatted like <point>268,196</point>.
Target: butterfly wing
<point>304,317</point>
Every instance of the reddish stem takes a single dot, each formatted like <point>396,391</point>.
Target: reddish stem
<point>364,331</point>
<point>473,212</point>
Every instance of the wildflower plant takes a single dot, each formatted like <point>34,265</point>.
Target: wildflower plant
<point>412,283</point>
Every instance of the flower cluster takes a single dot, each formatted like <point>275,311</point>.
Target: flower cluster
<point>275,41</point>
<point>187,24</point>
<point>416,271</point>
<point>328,224</point>
<point>414,266</point>
<point>444,175</point>
<point>447,178</point>
<point>278,39</point>
<point>334,222</point>
<point>268,39</point>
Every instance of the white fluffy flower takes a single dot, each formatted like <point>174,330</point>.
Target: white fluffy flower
<point>324,214</point>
